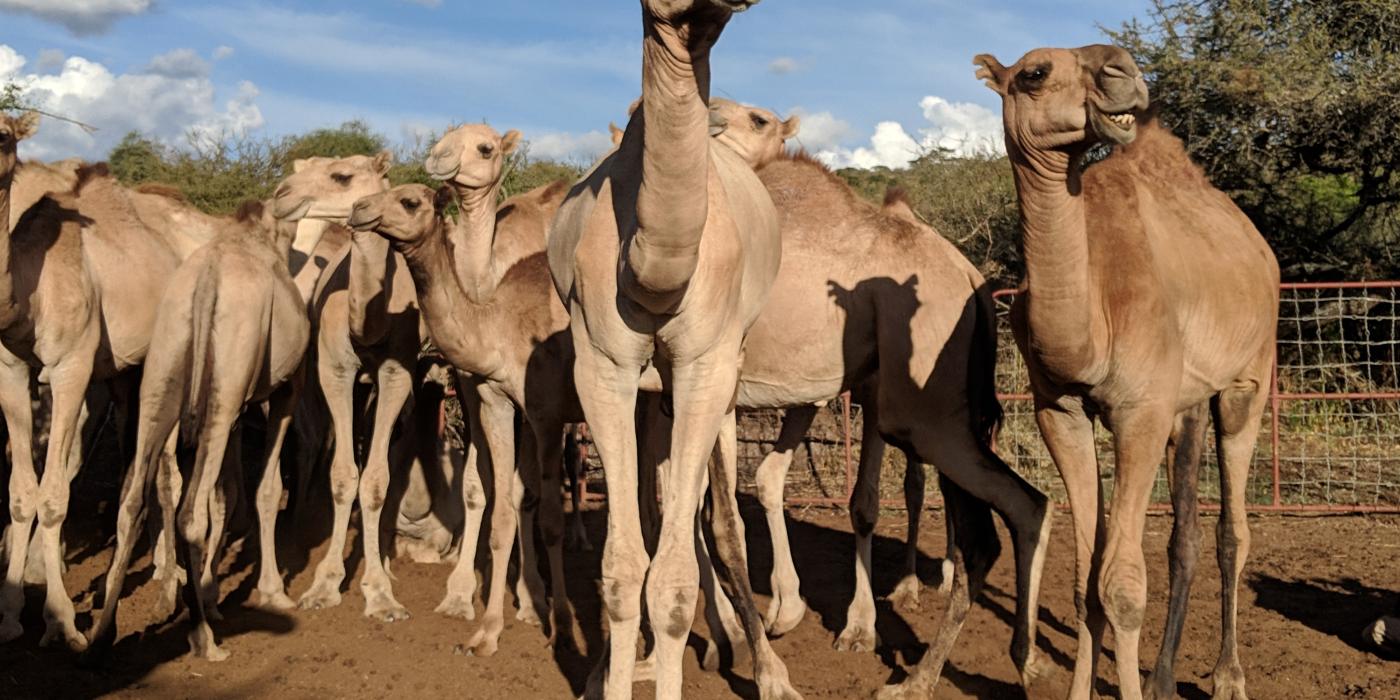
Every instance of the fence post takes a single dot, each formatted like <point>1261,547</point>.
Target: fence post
<point>1274,404</point>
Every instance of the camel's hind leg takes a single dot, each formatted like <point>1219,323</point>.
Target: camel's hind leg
<point>279,409</point>
<point>223,500</point>
<point>547,438</point>
<point>577,536</point>
<point>23,488</point>
<point>905,596</point>
<point>1183,470</point>
<point>395,383</point>
<point>786,609</point>
<point>338,386</point>
<point>194,523</point>
<point>1238,413</point>
<point>859,633</point>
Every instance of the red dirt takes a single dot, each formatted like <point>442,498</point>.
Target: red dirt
<point>1311,584</point>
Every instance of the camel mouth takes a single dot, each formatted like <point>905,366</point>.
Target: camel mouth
<point>444,175</point>
<point>364,221</point>
<point>1114,127</point>
<point>736,5</point>
<point>281,210</point>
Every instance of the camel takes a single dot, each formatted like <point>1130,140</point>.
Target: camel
<point>504,328</point>
<point>664,254</point>
<point>77,303</point>
<point>33,180</point>
<point>366,321</point>
<point>875,302</point>
<point>231,333</point>
<point>1150,300</point>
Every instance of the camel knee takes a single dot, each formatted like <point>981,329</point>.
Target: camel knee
<point>672,607</point>
<point>1123,591</point>
<point>53,506</point>
<point>771,479</point>
<point>474,497</point>
<point>374,490</point>
<point>1231,541</point>
<point>345,482</point>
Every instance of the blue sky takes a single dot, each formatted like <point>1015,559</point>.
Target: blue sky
<point>873,79</point>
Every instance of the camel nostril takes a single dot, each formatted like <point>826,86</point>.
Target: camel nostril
<point>282,192</point>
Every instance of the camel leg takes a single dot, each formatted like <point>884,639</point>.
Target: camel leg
<point>1238,413</point>
<point>395,384</point>
<point>1140,435</point>
<point>973,551</point>
<point>1069,436</point>
<point>68,381</point>
<point>786,609</point>
<point>194,524</point>
<point>1183,470</point>
<point>497,421</point>
<point>574,465</point>
<point>272,593</point>
<point>608,394</point>
<point>461,584</point>
<point>169,483</point>
<point>222,500</point>
<point>529,585</point>
<point>548,440</point>
<point>23,488</point>
<point>859,634</point>
<point>719,611</point>
<point>905,596</point>
<point>727,525</point>
<point>338,386</point>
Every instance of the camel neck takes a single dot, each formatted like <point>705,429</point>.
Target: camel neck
<point>9,307</point>
<point>672,200</point>
<point>473,239</point>
<point>1055,246</point>
<point>369,288</point>
<point>463,330</point>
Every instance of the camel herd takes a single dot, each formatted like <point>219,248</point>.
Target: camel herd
<point>699,267</point>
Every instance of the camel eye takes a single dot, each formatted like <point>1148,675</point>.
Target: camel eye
<point>759,122</point>
<point>342,179</point>
<point>486,150</point>
<point>410,205</point>
<point>1033,77</point>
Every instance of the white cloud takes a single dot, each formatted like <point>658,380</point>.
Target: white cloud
<point>962,128</point>
<point>168,99</point>
<point>820,131</point>
<point>81,17</point>
<point>222,52</point>
<point>783,65</point>
<point>573,148</point>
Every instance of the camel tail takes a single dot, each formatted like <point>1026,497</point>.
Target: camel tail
<point>206,293</point>
<point>982,371</point>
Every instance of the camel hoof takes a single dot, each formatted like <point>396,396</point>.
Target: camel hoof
<point>11,629</point>
<point>785,614</point>
<point>645,670</point>
<point>211,613</point>
<point>386,611</point>
<point>457,605</point>
<point>775,686</point>
<point>1229,684</point>
<point>527,615</point>
<point>202,646</point>
<point>169,599</point>
<point>483,644</point>
<point>66,634</point>
<point>945,582</point>
<point>905,596</point>
<point>856,638</point>
<point>320,597</point>
<point>275,600</point>
<point>1032,670</point>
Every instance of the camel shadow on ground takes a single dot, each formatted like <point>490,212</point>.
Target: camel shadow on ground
<point>1339,608</point>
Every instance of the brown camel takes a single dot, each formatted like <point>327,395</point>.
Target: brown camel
<point>231,332</point>
<point>85,254</point>
<point>366,321</point>
<point>875,302</point>
<point>664,254</point>
<point>510,334</point>
<point>1150,301</point>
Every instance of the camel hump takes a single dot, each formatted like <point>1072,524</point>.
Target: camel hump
<point>250,211</point>
<point>89,173</point>
<point>163,190</point>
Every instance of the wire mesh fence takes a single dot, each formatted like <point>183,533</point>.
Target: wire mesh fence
<point>1330,439</point>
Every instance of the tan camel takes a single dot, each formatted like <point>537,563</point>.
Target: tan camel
<point>875,302</point>
<point>33,180</point>
<point>1150,300</point>
<point>231,332</point>
<point>511,335</point>
<point>366,321</point>
<point>77,302</point>
<point>664,254</point>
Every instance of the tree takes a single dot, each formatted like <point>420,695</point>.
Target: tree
<point>1292,107</point>
<point>12,98</point>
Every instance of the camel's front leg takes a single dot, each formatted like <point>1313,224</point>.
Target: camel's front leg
<point>23,487</point>
<point>68,381</point>
<point>497,420</point>
<point>338,386</point>
<point>280,407</point>
<point>461,584</point>
<point>1069,436</point>
<point>786,608</point>
<point>395,384</point>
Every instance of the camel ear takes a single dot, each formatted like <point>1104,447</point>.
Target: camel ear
<point>383,161</point>
<point>632,108</point>
<point>990,70</point>
<point>26,125</point>
<point>616,133</point>
<point>509,142</point>
<point>299,165</point>
<point>441,198</point>
<point>791,126</point>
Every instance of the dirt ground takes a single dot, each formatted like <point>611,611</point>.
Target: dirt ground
<point>1312,583</point>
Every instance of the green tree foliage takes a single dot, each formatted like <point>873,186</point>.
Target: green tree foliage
<point>12,98</point>
<point>524,173</point>
<point>1292,107</point>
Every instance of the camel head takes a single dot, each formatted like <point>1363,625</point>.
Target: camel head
<point>757,135</point>
<point>12,131</point>
<point>682,10</point>
<point>1067,99</point>
<point>405,214</point>
<point>326,188</point>
<point>471,156</point>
